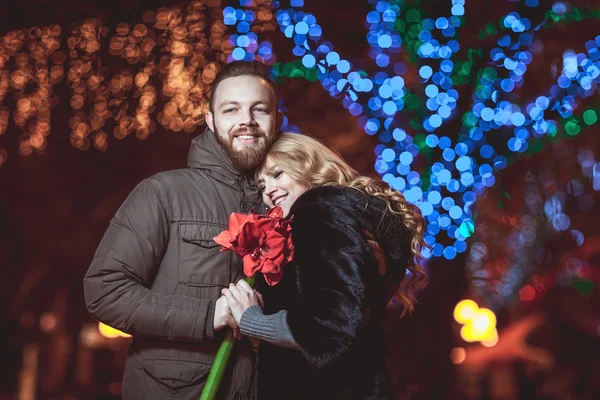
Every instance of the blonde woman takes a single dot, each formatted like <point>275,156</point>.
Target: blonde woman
<point>322,325</point>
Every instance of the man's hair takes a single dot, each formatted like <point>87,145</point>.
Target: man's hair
<point>242,68</point>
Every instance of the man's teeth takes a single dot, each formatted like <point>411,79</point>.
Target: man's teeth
<point>246,137</point>
<point>279,200</point>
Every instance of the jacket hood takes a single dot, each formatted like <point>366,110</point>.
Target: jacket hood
<point>207,153</point>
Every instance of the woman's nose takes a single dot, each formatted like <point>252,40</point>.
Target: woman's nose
<point>270,190</point>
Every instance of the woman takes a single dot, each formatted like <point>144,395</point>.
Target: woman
<point>322,324</point>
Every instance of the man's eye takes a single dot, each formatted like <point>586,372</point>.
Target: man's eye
<point>228,110</point>
<point>262,110</point>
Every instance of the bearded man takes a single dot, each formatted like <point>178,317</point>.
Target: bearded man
<point>158,274</point>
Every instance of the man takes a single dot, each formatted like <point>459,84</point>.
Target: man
<point>157,273</point>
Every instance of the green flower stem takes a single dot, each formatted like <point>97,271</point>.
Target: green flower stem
<point>213,382</point>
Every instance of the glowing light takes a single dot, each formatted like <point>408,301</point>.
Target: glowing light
<point>492,340</point>
<point>590,117</point>
<point>458,355</point>
<point>481,327</point>
<point>195,45</point>
<point>465,311</point>
<point>109,332</point>
<point>527,293</point>
<point>48,322</point>
<point>585,287</point>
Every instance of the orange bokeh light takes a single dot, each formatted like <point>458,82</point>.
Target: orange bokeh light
<point>458,355</point>
<point>188,43</point>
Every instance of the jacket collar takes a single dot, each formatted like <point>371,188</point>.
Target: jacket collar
<point>207,154</point>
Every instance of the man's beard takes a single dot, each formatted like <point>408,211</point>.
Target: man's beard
<point>247,158</point>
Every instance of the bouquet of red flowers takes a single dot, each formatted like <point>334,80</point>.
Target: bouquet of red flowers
<point>264,242</point>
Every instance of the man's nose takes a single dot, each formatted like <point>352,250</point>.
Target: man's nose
<point>247,118</point>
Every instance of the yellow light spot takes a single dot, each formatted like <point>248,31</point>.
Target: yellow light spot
<point>110,332</point>
<point>466,333</point>
<point>481,327</point>
<point>465,310</point>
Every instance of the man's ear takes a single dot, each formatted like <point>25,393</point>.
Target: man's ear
<point>210,121</point>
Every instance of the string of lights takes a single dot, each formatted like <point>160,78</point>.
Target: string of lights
<point>177,59</point>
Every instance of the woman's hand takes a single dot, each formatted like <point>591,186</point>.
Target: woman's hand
<point>240,297</point>
<point>223,318</point>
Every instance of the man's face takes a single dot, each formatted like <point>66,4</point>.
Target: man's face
<point>245,119</point>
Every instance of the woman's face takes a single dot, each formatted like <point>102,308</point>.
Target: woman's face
<point>279,189</point>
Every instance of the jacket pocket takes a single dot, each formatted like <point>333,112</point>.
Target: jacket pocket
<point>201,263</point>
<point>165,377</point>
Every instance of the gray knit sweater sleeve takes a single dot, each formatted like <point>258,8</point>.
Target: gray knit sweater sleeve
<point>273,328</point>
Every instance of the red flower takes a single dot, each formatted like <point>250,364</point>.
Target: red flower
<point>263,241</point>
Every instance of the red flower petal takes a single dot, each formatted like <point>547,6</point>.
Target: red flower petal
<point>271,266</point>
<point>250,238</point>
<point>251,266</point>
<point>275,212</point>
<point>224,239</point>
<point>264,224</point>
<point>236,220</point>
<point>275,244</point>
<point>263,241</point>
<point>274,278</point>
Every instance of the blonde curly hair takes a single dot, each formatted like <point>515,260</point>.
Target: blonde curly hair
<point>310,163</point>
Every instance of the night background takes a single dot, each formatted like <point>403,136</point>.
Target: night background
<point>490,129</point>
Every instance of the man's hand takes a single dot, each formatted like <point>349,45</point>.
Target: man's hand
<point>224,318</point>
<point>240,297</point>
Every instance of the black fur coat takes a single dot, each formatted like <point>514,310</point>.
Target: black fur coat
<point>335,299</point>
